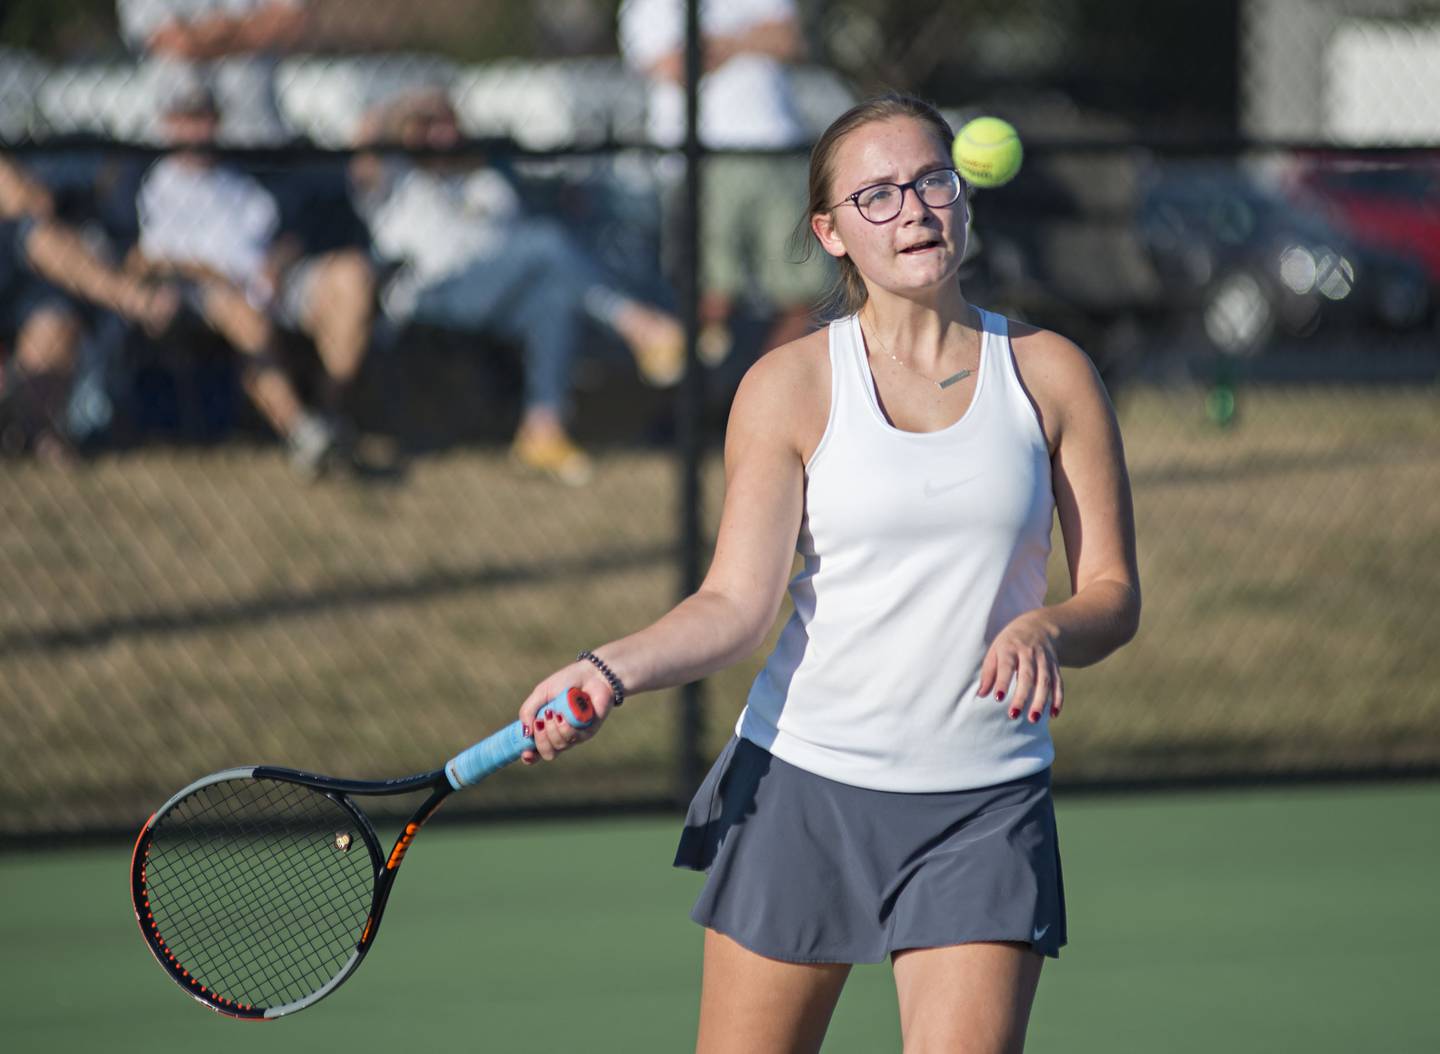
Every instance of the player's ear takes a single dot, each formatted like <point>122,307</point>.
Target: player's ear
<point>823,224</point>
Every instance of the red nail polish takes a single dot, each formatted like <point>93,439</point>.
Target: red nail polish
<point>560,718</point>
<point>539,725</point>
<point>1054,711</point>
<point>525,731</point>
<point>1000,697</point>
<point>1014,714</point>
<point>1034,716</point>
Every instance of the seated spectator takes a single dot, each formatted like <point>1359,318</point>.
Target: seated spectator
<point>218,230</point>
<point>46,272</point>
<point>234,44</point>
<point>472,260</point>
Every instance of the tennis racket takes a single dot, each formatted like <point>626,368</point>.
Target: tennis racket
<point>259,890</point>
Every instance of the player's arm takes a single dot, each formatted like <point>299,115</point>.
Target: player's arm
<point>1097,521</point>
<point>728,617</point>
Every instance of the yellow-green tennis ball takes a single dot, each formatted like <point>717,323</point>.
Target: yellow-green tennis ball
<point>987,152</point>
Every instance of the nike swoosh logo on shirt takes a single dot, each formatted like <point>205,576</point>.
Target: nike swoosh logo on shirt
<point>934,490</point>
<point>1040,932</point>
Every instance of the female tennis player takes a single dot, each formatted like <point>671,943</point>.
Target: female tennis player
<point>887,792</point>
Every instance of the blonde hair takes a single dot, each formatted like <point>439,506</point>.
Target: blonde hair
<point>847,294</point>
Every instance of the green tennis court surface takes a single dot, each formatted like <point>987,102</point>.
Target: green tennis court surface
<point>1281,920</point>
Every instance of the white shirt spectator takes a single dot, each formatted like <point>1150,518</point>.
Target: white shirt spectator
<point>744,104</point>
<point>212,216</point>
<point>244,83</point>
<point>436,224</point>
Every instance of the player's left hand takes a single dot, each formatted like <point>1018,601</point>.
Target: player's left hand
<point>553,734</point>
<point>1025,651</point>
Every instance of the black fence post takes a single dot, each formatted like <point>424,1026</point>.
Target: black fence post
<point>690,411</point>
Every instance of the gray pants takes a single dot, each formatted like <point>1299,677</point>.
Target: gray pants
<point>533,291</point>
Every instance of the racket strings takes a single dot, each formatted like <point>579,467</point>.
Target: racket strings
<point>259,888</point>
<point>210,933</point>
<point>261,925</point>
<point>209,940</point>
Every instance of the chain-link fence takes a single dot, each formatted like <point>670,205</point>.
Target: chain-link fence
<point>289,433</point>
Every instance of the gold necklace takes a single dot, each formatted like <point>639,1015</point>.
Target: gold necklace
<point>954,378</point>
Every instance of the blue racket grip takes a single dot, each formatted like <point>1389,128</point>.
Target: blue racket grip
<point>496,751</point>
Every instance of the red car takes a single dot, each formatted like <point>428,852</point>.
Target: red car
<point>1393,203</point>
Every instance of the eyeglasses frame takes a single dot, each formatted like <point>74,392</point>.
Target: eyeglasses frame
<point>913,185</point>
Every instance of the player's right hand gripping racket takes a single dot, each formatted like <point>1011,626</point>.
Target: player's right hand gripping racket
<point>259,890</point>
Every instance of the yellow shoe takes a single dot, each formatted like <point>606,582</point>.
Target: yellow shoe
<point>554,456</point>
<point>658,344</point>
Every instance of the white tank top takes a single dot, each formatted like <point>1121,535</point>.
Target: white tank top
<point>919,547</point>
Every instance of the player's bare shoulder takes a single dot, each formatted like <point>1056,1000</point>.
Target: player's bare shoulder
<point>788,390</point>
<point>1057,374</point>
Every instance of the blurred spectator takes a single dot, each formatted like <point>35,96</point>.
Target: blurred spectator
<point>472,260</point>
<point>45,268</point>
<point>750,204</point>
<point>235,44</point>
<point>218,229</point>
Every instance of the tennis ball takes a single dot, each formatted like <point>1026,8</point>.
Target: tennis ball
<point>987,152</point>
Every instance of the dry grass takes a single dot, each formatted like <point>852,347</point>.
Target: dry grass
<point>167,612</point>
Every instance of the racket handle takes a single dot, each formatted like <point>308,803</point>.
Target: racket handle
<point>496,751</point>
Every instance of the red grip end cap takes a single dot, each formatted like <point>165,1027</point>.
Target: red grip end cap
<point>580,705</point>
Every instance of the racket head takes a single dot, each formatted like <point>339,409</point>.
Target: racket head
<point>256,893</point>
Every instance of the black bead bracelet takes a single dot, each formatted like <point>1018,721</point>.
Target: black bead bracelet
<point>617,688</point>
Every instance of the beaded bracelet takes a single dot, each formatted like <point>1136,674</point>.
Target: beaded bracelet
<point>617,688</point>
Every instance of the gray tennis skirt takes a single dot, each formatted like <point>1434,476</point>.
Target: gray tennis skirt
<point>806,869</point>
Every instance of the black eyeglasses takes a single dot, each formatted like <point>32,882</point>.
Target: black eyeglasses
<point>882,202</point>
